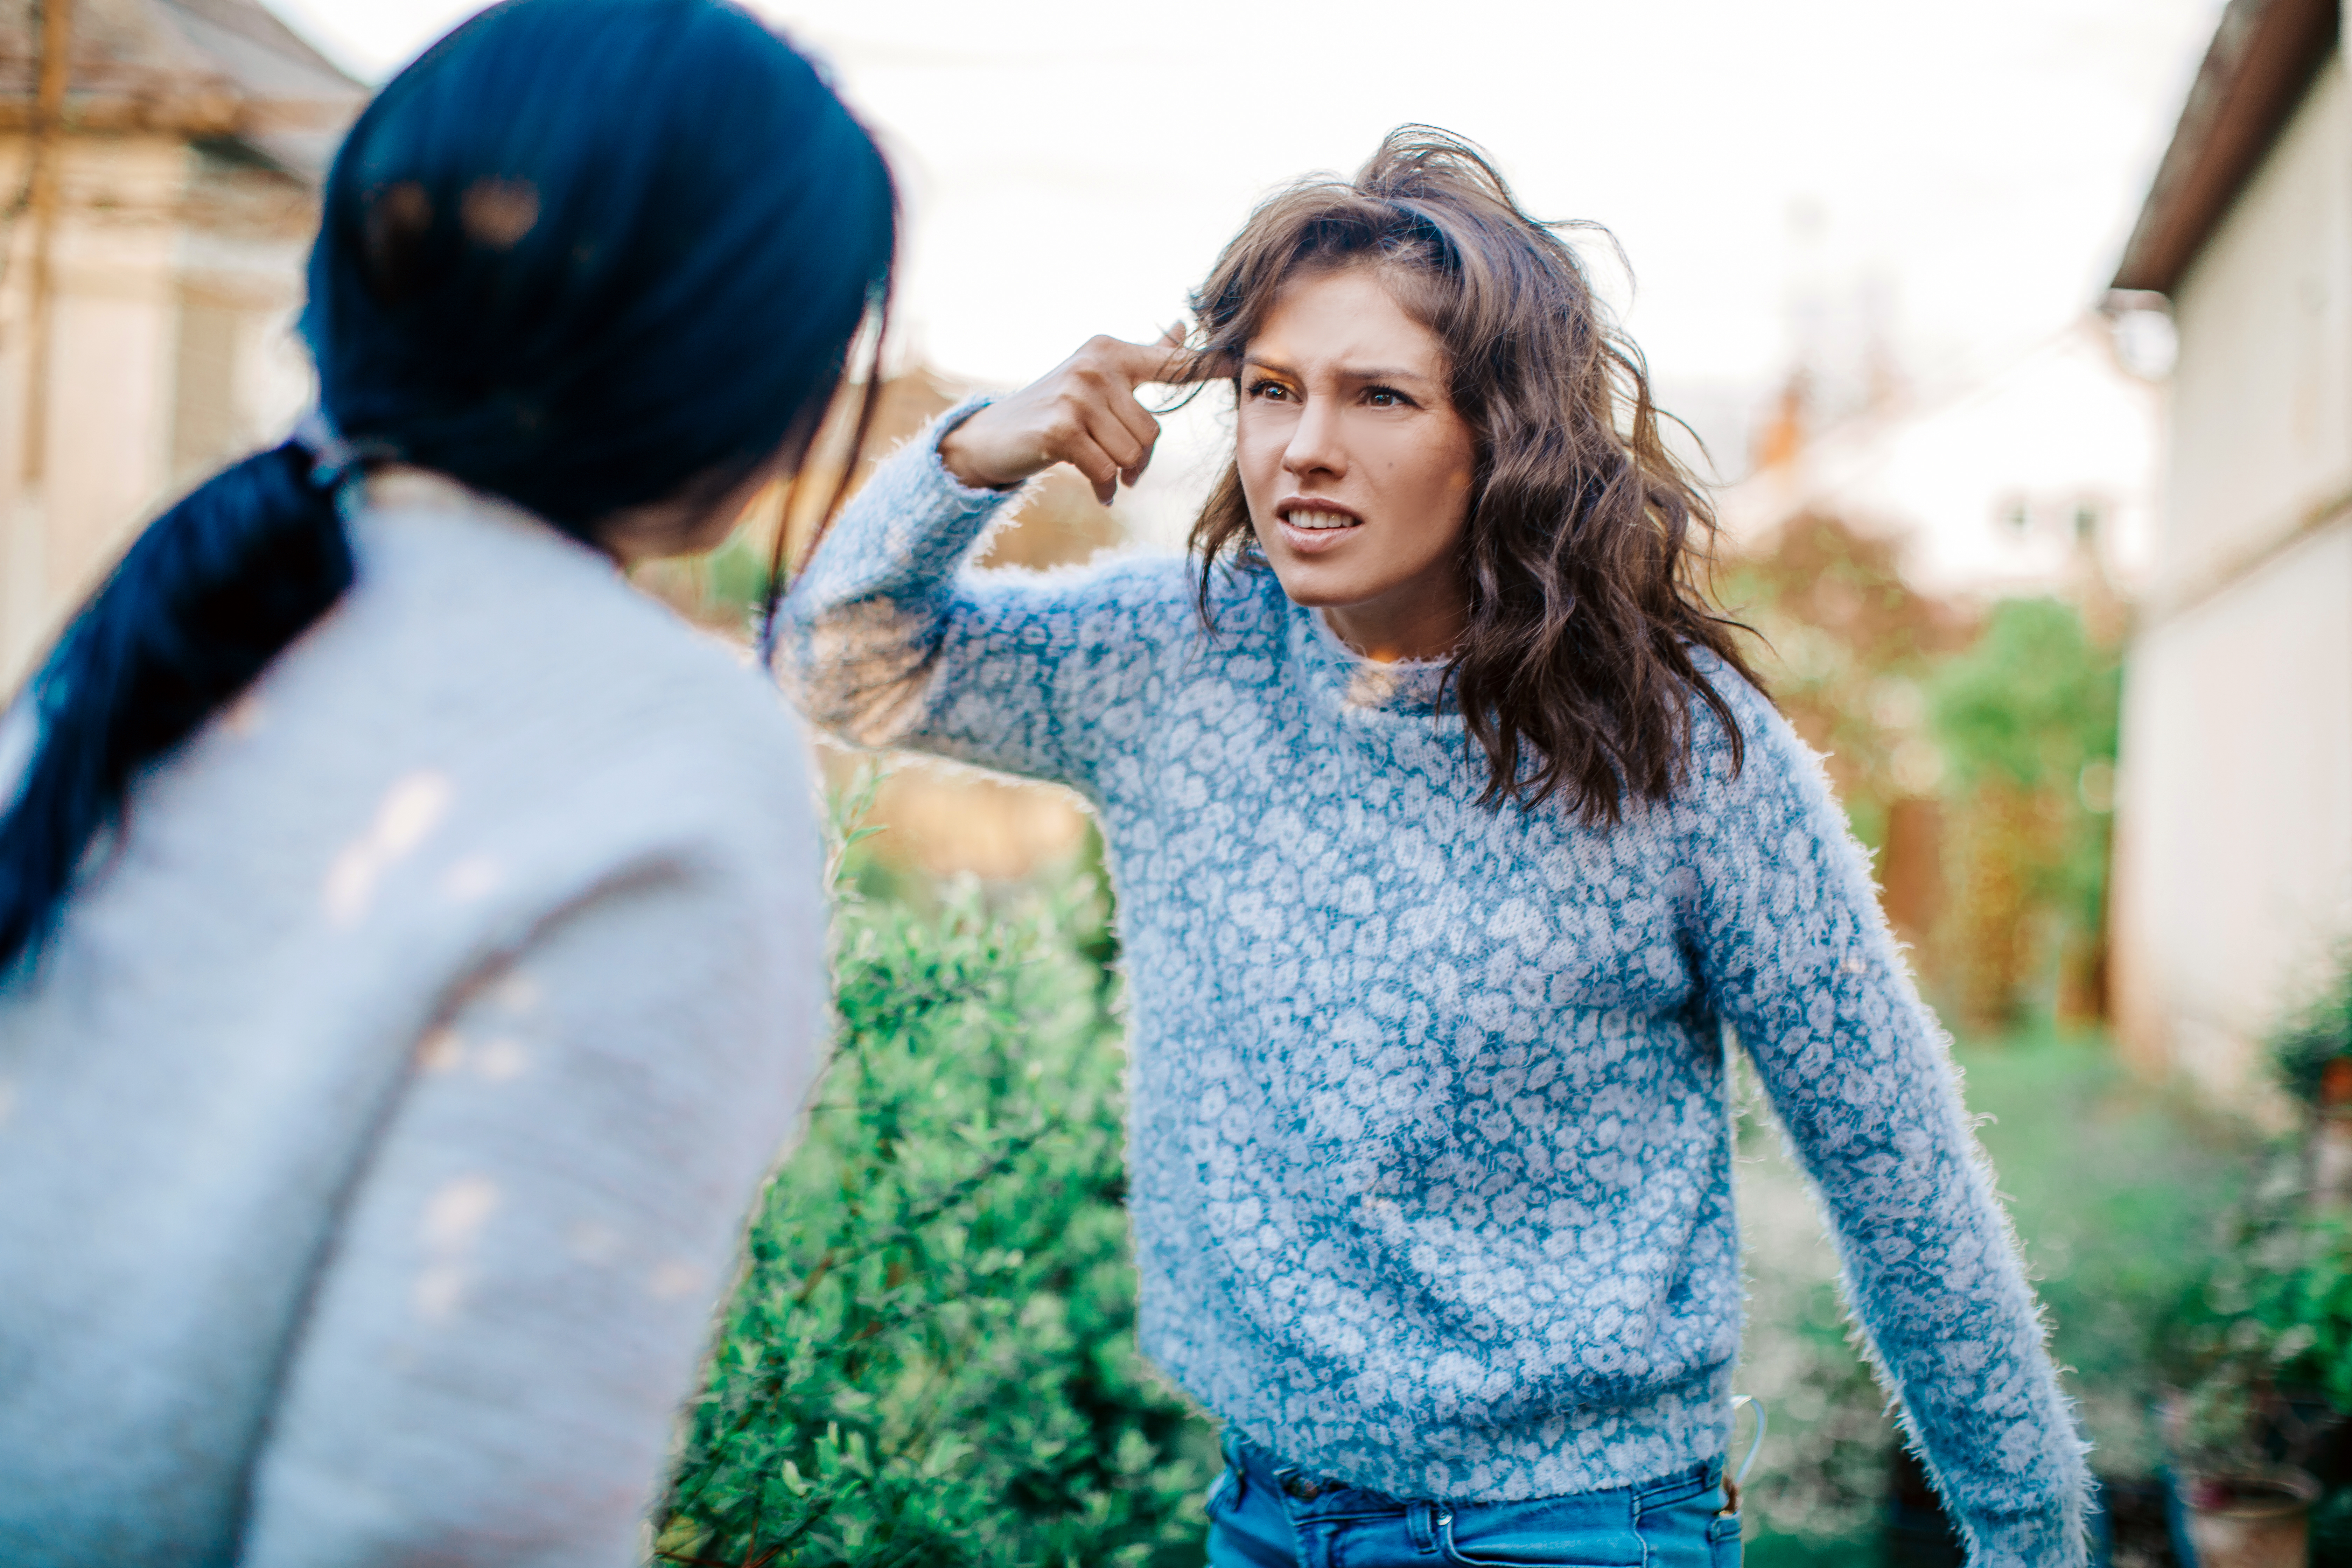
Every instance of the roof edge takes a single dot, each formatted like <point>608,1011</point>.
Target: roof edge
<point>2262,59</point>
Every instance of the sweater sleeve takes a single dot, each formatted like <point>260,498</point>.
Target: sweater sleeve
<point>886,640</point>
<point>1800,963</point>
<point>523,1280</point>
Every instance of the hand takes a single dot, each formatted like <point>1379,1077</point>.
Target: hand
<point>1084,414</point>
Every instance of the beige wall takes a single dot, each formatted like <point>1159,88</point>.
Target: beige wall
<point>173,278</point>
<point>2234,820</point>
<point>2234,815</point>
<point>2261,410</point>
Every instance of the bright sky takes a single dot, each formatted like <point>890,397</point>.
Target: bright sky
<point>1952,181</point>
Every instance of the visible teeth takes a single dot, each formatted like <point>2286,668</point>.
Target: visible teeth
<point>1301,519</point>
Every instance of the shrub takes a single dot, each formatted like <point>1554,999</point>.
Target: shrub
<point>2271,1322</point>
<point>930,1358</point>
<point>2313,1052</point>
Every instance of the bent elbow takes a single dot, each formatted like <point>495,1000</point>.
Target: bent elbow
<point>857,671</point>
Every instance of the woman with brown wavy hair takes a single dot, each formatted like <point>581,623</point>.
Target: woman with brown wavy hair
<point>1454,847</point>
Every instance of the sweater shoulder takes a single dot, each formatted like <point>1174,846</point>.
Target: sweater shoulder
<point>1755,747</point>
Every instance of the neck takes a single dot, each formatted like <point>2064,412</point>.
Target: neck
<point>1386,634</point>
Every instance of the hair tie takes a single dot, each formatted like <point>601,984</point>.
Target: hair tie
<point>333,459</point>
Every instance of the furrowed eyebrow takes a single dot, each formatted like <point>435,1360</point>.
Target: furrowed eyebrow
<point>1346,373</point>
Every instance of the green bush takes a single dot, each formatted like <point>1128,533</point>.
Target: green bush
<point>2271,1321</point>
<point>1973,750</point>
<point>2313,1052</point>
<point>2033,705</point>
<point>930,1359</point>
<point>2026,720</point>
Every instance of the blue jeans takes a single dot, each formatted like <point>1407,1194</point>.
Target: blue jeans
<point>1262,1515</point>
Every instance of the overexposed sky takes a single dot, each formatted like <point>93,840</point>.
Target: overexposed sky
<point>1952,183</point>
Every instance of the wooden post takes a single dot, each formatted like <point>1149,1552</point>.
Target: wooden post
<point>41,200</point>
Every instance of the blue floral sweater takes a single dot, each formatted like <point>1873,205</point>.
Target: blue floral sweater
<point>1431,1158</point>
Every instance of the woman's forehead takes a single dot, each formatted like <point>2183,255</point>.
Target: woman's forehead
<point>1347,319</point>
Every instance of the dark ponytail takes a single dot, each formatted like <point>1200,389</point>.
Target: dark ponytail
<point>584,255</point>
<point>211,593</point>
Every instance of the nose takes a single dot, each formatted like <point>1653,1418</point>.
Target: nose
<point>1315,447</point>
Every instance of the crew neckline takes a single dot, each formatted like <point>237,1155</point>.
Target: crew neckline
<point>1404,685</point>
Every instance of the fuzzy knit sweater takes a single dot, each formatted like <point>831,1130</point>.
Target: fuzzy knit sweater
<point>1431,1155</point>
<point>376,1128</point>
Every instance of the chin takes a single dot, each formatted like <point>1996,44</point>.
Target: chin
<point>1313,590</point>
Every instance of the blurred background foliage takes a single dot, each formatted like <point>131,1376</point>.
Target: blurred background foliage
<point>1974,749</point>
<point>930,1358</point>
<point>2121,1194</point>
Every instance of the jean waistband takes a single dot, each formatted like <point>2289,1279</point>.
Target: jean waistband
<point>1325,1495</point>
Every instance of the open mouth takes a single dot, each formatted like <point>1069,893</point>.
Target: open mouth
<point>1315,517</point>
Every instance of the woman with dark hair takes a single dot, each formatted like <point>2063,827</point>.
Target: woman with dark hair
<point>1454,843</point>
<point>412,936</point>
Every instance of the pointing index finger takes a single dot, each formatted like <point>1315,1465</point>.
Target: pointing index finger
<point>1169,363</point>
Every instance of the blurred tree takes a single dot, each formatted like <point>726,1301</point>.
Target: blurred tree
<point>1848,649</point>
<point>1974,755</point>
<point>2027,720</point>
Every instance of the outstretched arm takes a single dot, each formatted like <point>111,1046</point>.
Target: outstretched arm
<point>888,642</point>
<point>1802,965</point>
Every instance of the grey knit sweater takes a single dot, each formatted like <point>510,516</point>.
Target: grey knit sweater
<point>1431,1160</point>
<point>375,1132</point>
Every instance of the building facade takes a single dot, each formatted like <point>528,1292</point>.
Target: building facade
<point>157,190</point>
<point>2233,857</point>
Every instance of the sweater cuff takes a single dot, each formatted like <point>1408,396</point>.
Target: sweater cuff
<point>970,495</point>
<point>2050,1537</point>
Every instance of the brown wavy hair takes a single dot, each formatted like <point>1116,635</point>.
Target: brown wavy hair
<point>1588,543</point>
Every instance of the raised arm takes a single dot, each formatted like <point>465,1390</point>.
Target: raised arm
<point>1800,962</point>
<point>523,1280</point>
<point>886,641</point>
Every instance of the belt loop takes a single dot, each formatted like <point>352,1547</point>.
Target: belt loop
<point>1417,1524</point>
